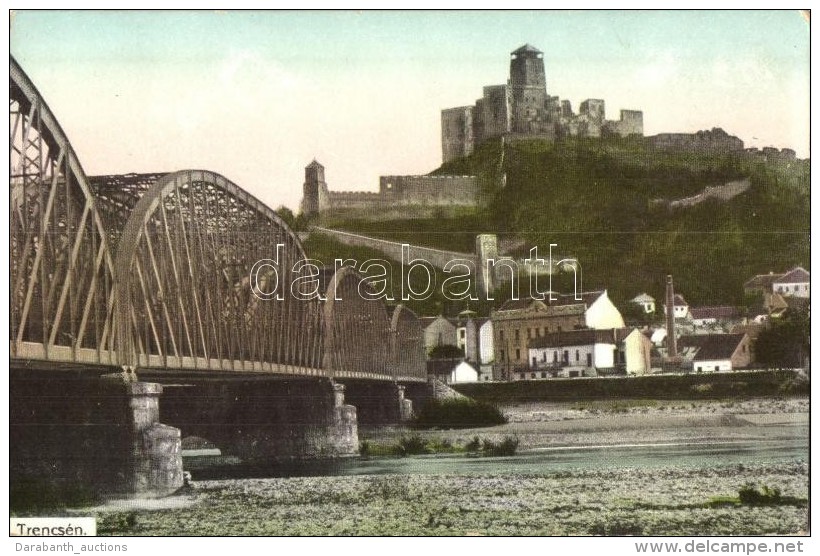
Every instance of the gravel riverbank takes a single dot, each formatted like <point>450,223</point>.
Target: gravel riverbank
<point>612,499</point>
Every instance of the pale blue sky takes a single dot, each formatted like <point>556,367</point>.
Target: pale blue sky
<point>256,95</point>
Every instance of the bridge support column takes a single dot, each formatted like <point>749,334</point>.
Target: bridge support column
<point>153,465</point>
<point>343,432</point>
<point>405,405</point>
<point>78,437</point>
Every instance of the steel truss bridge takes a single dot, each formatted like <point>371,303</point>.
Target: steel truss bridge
<point>152,271</point>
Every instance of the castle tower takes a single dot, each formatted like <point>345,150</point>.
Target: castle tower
<point>528,86</point>
<point>314,190</point>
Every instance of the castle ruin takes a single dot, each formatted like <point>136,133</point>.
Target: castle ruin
<point>429,190</point>
<point>523,109</point>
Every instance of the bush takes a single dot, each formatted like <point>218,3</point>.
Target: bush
<point>458,414</point>
<point>412,445</point>
<point>749,494</point>
<point>506,447</point>
<point>473,445</point>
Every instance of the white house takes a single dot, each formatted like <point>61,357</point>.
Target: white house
<point>681,307</point>
<point>587,353</point>
<point>795,283</point>
<point>463,372</point>
<point>601,313</point>
<point>716,352</point>
<point>645,301</point>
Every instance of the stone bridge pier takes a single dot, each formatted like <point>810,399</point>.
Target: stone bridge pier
<point>77,435</point>
<point>384,403</point>
<point>263,419</point>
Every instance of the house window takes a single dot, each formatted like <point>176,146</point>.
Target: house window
<point>543,375</point>
<point>516,334</point>
<point>518,354</point>
<point>566,356</point>
<point>501,335</point>
<point>555,357</point>
<point>529,333</point>
<point>589,359</point>
<point>532,375</point>
<point>534,361</point>
<point>544,358</point>
<point>577,356</point>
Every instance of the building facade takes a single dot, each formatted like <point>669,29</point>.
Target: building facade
<point>518,322</point>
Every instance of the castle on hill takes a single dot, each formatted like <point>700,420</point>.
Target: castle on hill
<point>522,108</point>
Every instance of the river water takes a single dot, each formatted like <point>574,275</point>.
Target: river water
<point>539,461</point>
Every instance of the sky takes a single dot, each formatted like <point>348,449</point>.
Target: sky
<point>256,96</point>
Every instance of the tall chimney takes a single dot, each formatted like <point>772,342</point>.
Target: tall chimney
<point>671,342</point>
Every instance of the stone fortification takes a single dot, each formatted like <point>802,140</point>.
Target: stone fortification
<point>393,191</point>
<point>523,109</point>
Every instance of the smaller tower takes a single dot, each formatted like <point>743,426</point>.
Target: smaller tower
<point>314,191</point>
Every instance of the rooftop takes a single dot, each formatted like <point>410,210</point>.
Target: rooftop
<point>526,49</point>
<point>711,347</point>
<point>797,275</point>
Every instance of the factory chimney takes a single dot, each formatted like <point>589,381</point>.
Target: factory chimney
<point>671,342</point>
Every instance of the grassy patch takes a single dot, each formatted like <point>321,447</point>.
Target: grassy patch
<point>458,414</point>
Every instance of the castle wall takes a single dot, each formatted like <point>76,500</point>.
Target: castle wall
<point>429,190</point>
<point>706,140</point>
<point>353,199</point>
<point>495,111</point>
<point>456,132</point>
<point>631,123</point>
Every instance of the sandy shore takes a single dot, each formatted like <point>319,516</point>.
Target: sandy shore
<point>539,425</point>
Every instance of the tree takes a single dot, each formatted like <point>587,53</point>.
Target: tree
<point>786,342</point>
<point>446,351</point>
<point>287,215</point>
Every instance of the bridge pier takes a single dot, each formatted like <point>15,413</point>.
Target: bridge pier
<point>264,419</point>
<point>381,403</point>
<point>78,436</point>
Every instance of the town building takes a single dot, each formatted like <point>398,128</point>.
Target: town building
<point>716,352</point>
<point>438,331</point>
<point>645,302</point>
<point>575,353</point>
<point>795,283</point>
<point>712,316</point>
<point>680,307</point>
<point>523,109</point>
<point>517,322</point>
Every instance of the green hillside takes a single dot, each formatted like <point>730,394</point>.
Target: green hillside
<point>592,197</point>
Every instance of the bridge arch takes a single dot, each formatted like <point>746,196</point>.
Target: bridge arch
<point>356,339</point>
<point>408,355</point>
<point>184,290</point>
<point>61,275</point>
